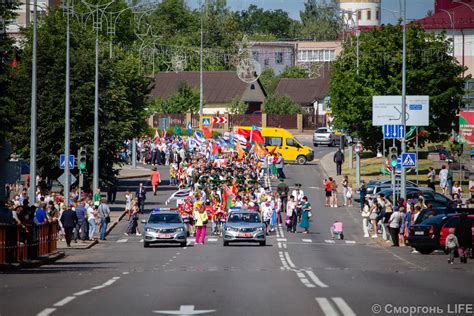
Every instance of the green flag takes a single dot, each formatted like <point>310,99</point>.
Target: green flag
<point>177,130</point>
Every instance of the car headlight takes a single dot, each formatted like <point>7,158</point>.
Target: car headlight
<point>230,229</point>
<point>180,229</point>
<point>259,229</point>
<point>150,230</point>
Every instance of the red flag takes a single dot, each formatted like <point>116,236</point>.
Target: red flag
<point>273,150</point>
<point>215,149</point>
<point>207,131</point>
<point>257,137</point>
<point>163,134</point>
<point>244,133</point>
<point>157,137</point>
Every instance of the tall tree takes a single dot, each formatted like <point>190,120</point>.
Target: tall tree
<point>259,22</point>
<point>431,70</point>
<point>281,104</point>
<point>123,91</point>
<point>320,20</point>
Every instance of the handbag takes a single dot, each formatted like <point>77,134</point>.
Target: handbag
<point>107,220</point>
<point>288,220</point>
<point>310,214</point>
<point>373,215</point>
<point>349,194</point>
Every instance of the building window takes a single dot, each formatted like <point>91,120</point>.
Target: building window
<point>469,96</point>
<point>377,15</point>
<point>317,55</point>
<point>255,55</point>
<point>252,87</point>
<point>266,62</point>
<point>279,58</point>
<point>332,55</point>
<point>359,15</point>
<point>369,15</point>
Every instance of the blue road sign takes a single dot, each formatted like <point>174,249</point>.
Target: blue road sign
<point>408,160</point>
<point>393,131</point>
<point>62,160</point>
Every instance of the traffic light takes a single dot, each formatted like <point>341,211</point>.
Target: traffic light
<point>393,156</point>
<point>82,158</point>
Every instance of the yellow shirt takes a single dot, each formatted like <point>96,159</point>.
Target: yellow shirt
<point>200,218</point>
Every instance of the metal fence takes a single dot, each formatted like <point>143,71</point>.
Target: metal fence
<point>164,121</point>
<point>313,121</point>
<point>245,120</point>
<point>282,120</point>
<point>19,243</point>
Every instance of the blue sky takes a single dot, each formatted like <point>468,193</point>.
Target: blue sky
<point>415,8</point>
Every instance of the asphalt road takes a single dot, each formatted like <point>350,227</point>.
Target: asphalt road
<point>295,274</point>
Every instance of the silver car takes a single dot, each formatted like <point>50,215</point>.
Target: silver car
<point>244,226</point>
<point>164,227</point>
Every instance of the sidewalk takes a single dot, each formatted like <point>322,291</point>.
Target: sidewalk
<point>127,172</point>
<point>329,167</point>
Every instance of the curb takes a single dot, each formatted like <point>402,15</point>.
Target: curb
<point>133,176</point>
<point>112,225</point>
<point>33,263</point>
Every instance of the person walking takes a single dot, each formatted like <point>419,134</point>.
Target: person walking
<point>298,194</point>
<point>91,220</point>
<point>394,226</point>
<point>449,180</point>
<point>141,196</point>
<point>464,235</point>
<point>132,227</point>
<point>362,194</point>
<point>104,215</point>
<point>338,160</point>
<point>81,226</point>
<point>279,165</point>
<point>155,179</point>
<point>431,178</point>
<point>68,220</point>
<point>443,179</point>
<point>334,201</point>
<point>452,244</point>
<point>282,190</point>
<point>345,185</point>
<point>201,219</point>
<point>306,211</point>
<point>365,218</point>
<point>291,216</point>
<point>328,191</point>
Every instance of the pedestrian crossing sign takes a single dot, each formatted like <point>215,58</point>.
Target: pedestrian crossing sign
<point>206,121</point>
<point>408,160</point>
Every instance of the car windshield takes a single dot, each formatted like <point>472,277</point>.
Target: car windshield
<point>244,218</point>
<point>425,214</point>
<point>164,218</point>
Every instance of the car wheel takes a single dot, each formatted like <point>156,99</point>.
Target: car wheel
<point>146,245</point>
<point>263,243</point>
<point>301,160</point>
<point>424,251</point>
<point>226,243</point>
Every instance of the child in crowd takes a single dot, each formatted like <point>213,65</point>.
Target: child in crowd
<point>452,245</point>
<point>337,229</point>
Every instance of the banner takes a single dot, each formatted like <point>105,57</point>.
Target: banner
<point>466,126</point>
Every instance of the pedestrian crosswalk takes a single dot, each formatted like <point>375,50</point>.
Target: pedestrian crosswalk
<point>279,240</point>
<point>333,305</point>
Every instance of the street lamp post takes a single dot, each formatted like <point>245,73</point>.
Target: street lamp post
<point>32,188</point>
<point>67,120</point>
<point>404,119</point>
<point>201,84</point>
<point>451,19</point>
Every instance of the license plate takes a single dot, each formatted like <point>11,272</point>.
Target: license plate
<point>164,236</point>
<point>246,235</point>
<point>419,233</point>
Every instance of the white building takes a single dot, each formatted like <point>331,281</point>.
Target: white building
<point>362,13</point>
<point>276,55</point>
<point>25,15</point>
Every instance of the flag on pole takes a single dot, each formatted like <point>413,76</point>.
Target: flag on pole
<point>157,137</point>
<point>199,138</point>
<point>163,134</point>
<point>179,194</point>
<point>256,136</point>
<point>177,130</point>
<point>208,131</point>
<point>259,150</point>
<point>240,151</point>
<point>189,128</point>
<point>215,149</point>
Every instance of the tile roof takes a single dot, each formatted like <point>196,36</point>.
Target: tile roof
<point>303,90</point>
<point>462,16</point>
<point>219,86</point>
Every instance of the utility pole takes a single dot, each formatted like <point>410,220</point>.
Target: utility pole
<point>201,88</point>
<point>404,118</point>
<point>67,183</point>
<point>32,188</point>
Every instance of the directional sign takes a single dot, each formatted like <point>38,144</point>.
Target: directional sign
<point>62,179</point>
<point>393,131</point>
<point>387,110</point>
<point>219,120</point>
<point>206,121</point>
<point>408,160</point>
<point>62,161</point>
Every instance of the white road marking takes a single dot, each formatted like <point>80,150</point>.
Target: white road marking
<point>46,312</point>
<point>283,261</point>
<point>284,246</point>
<point>122,240</point>
<point>307,283</point>
<point>185,248</point>
<point>281,231</point>
<point>125,272</point>
<point>345,309</point>
<point>82,292</point>
<point>288,259</point>
<point>350,242</point>
<point>307,240</point>
<point>326,307</point>
<point>211,239</point>
<point>116,278</point>
<point>315,279</point>
<point>279,245</point>
<point>329,241</point>
<point>185,310</point>
<point>281,239</point>
<point>141,240</point>
<point>174,257</point>
<point>64,301</point>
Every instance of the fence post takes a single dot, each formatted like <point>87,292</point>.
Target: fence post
<point>151,121</point>
<point>299,122</point>
<point>226,124</point>
<point>264,120</point>
<point>189,118</point>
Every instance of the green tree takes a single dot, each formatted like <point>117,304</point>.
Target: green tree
<point>270,81</point>
<point>276,23</point>
<point>123,92</point>
<point>320,21</point>
<point>431,70</point>
<point>238,106</point>
<point>7,62</point>
<point>281,104</point>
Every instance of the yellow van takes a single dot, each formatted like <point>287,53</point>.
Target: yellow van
<point>286,144</point>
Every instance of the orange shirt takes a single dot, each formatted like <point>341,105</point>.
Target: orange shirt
<point>328,185</point>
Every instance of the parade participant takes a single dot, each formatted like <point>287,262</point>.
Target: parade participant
<point>306,214</point>
<point>201,219</point>
<point>155,179</point>
<point>291,217</point>
<point>298,194</point>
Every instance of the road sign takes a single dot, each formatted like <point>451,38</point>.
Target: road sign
<point>387,110</point>
<point>62,179</point>
<point>205,121</point>
<point>219,120</point>
<point>358,148</point>
<point>393,131</point>
<point>408,160</point>
<point>62,161</point>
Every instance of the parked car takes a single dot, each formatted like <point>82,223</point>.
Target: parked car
<point>164,227</point>
<point>430,235</point>
<point>436,199</point>
<point>375,186</point>
<point>244,226</point>
<point>326,136</point>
